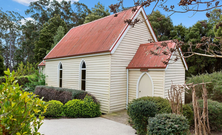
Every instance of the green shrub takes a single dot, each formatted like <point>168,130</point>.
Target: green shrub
<point>90,108</point>
<point>163,105</point>
<point>26,69</point>
<point>214,89</point>
<point>84,94</point>
<point>77,108</point>
<point>139,111</point>
<point>168,124</point>
<point>20,80</point>
<point>214,114</point>
<point>73,108</point>
<point>188,113</point>
<point>19,109</point>
<point>36,79</point>
<point>54,109</point>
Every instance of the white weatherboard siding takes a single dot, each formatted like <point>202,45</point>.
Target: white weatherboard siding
<point>175,73</point>
<point>97,76</point>
<point>158,82</point>
<point>127,48</point>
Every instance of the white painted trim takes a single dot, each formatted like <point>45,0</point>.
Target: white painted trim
<point>58,74</point>
<point>150,27</point>
<point>185,64</point>
<point>137,86</point>
<point>127,87</point>
<point>80,56</point>
<point>80,73</point>
<point>123,33</point>
<point>119,41</point>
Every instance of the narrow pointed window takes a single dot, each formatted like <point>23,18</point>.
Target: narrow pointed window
<point>60,75</point>
<point>83,76</point>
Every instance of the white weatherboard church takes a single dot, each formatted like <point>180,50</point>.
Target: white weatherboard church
<point>110,59</point>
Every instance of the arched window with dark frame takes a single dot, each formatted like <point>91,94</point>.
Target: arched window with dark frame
<point>83,75</point>
<point>60,75</point>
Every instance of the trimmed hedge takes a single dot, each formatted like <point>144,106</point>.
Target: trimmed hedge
<point>21,80</point>
<point>214,114</point>
<point>163,105</point>
<point>139,111</point>
<point>77,108</point>
<point>56,93</point>
<point>54,109</point>
<point>168,124</point>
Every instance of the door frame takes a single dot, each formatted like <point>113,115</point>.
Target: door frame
<point>138,82</point>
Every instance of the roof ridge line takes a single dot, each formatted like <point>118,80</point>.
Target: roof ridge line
<point>98,19</point>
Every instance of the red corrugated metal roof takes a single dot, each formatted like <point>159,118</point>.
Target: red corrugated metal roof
<point>42,63</point>
<point>144,59</point>
<point>94,37</point>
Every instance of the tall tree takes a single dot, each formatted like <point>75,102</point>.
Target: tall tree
<point>199,64</point>
<point>59,35</point>
<point>43,10</point>
<point>9,34</point>
<point>30,34</point>
<point>46,36</point>
<point>161,25</point>
<point>98,11</point>
<point>179,32</point>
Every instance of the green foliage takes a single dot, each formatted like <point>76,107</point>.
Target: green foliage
<point>168,124</point>
<point>22,80</point>
<point>73,108</point>
<point>54,109</point>
<point>46,36</point>
<point>188,113</point>
<point>97,12</point>
<point>214,89</point>
<point>73,13</point>
<point>59,35</point>
<point>2,66</point>
<point>179,32</point>
<point>27,69</point>
<point>214,114</point>
<point>163,105</point>
<point>35,80</point>
<point>199,64</point>
<point>77,108</point>
<point>19,109</point>
<point>139,111</point>
<point>90,108</point>
<point>161,25</point>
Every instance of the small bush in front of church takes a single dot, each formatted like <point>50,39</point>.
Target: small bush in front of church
<point>168,124</point>
<point>73,108</point>
<point>163,105</point>
<point>90,108</point>
<point>139,111</point>
<point>85,108</point>
<point>54,108</point>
